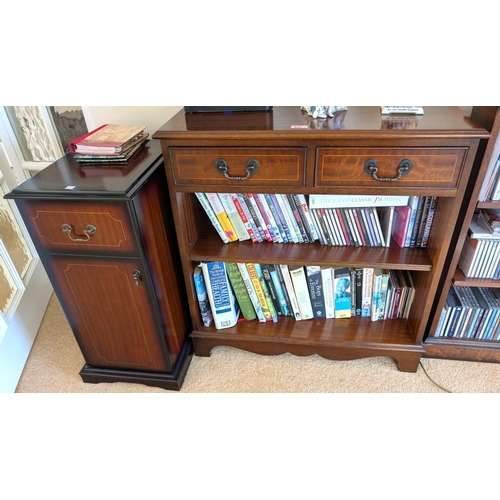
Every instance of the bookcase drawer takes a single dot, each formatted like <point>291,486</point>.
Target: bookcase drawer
<point>401,167</point>
<point>283,167</point>
<point>81,227</point>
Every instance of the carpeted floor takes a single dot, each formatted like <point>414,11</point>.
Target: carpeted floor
<point>55,361</point>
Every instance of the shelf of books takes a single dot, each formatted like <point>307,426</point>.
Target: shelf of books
<point>466,322</point>
<point>249,282</point>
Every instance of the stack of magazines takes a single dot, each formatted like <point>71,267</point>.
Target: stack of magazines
<point>109,144</point>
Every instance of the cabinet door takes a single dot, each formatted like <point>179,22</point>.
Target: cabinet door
<point>111,310</point>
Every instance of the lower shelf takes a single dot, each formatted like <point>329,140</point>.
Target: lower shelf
<point>462,350</point>
<point>169,381</point>
<point>340,339</point>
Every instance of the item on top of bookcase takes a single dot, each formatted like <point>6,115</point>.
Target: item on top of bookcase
<point>114,160</point>
<point>409,110</point>
<point>323,111</point>
<point>108,140</point>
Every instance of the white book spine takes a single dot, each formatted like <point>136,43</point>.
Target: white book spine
<point>291,292</point>
<point>211,214</point>
<point>343,201</point>
<point>299,282</point>
<point>327,282</point>
<point>366,297</point>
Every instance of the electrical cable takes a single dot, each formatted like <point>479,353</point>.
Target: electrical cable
<point>435,383</point>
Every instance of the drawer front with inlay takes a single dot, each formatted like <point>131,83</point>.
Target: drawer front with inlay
<point>236,167</point>
<point>401,167</point>
<point>81,227</point>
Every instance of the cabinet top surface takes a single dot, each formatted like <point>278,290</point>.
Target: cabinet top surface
<point>67,178</point>
<point>291,121</point>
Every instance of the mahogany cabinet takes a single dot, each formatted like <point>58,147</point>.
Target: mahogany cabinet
<point>106,238</point>
<point>298,154</point>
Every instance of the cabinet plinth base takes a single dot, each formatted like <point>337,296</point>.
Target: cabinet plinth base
<point>407,356</point>
<point>169,381</point>
<point>464,350</point>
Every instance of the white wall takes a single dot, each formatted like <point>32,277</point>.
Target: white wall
<point>153,117</point>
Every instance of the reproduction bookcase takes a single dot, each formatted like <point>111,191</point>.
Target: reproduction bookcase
<point>357,151</point>
<point>464,348</point>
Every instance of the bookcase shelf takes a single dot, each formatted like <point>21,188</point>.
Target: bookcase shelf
<point>296,155</point>
<point>466,348</point>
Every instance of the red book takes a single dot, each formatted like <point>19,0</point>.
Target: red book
<point>400,224</point>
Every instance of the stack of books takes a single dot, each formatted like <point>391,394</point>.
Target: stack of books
<point>109,144</point>
<point>230,292</point>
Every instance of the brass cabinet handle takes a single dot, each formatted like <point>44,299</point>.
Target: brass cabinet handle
<point>371,167</point>
<point>251,168</point>
<point>88,231</point>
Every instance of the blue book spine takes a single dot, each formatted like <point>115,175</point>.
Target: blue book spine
<point>201,293</point>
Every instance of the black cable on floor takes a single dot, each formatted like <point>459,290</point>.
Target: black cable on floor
<point>435,383</point>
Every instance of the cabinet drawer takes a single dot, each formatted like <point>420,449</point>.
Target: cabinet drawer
<point>113,229</point>
<point>284,167</point>
<point>430,167</point>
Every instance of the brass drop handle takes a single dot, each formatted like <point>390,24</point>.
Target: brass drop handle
<point>88,231</point>
<point>251,168</point>
<point>371,167</point>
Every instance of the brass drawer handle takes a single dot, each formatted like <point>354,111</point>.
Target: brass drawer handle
<point>251,168</point>
<point>372,168</point>
<point>88,231</point>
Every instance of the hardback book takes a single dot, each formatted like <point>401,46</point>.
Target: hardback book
<point>316,293</point>
<point>201,293</point>
<point>108,139</point>
<point>211,215</point>
<point>222,216</point>
<point>246,217</point>
<point>225,309</point>
<point>342,201</point>
<point>400,224</point>
<point>257,285</point>
<point>252,294</point>
<point>267,293</point>
<point>234,216</point>
<point>366,296</point>
<point>121,158</point>
<point>241,292</point>
<point>342,290</point>
<point>285,273</point>
<point>328,294</point>
<point>299,281</point>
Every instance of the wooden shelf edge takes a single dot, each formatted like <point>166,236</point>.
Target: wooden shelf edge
<point>462,350</point>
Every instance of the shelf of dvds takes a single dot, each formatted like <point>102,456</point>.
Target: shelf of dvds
<point>471,339</point>
<point>288,152</point>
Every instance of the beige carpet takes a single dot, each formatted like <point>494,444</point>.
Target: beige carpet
<point>55,361</point>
